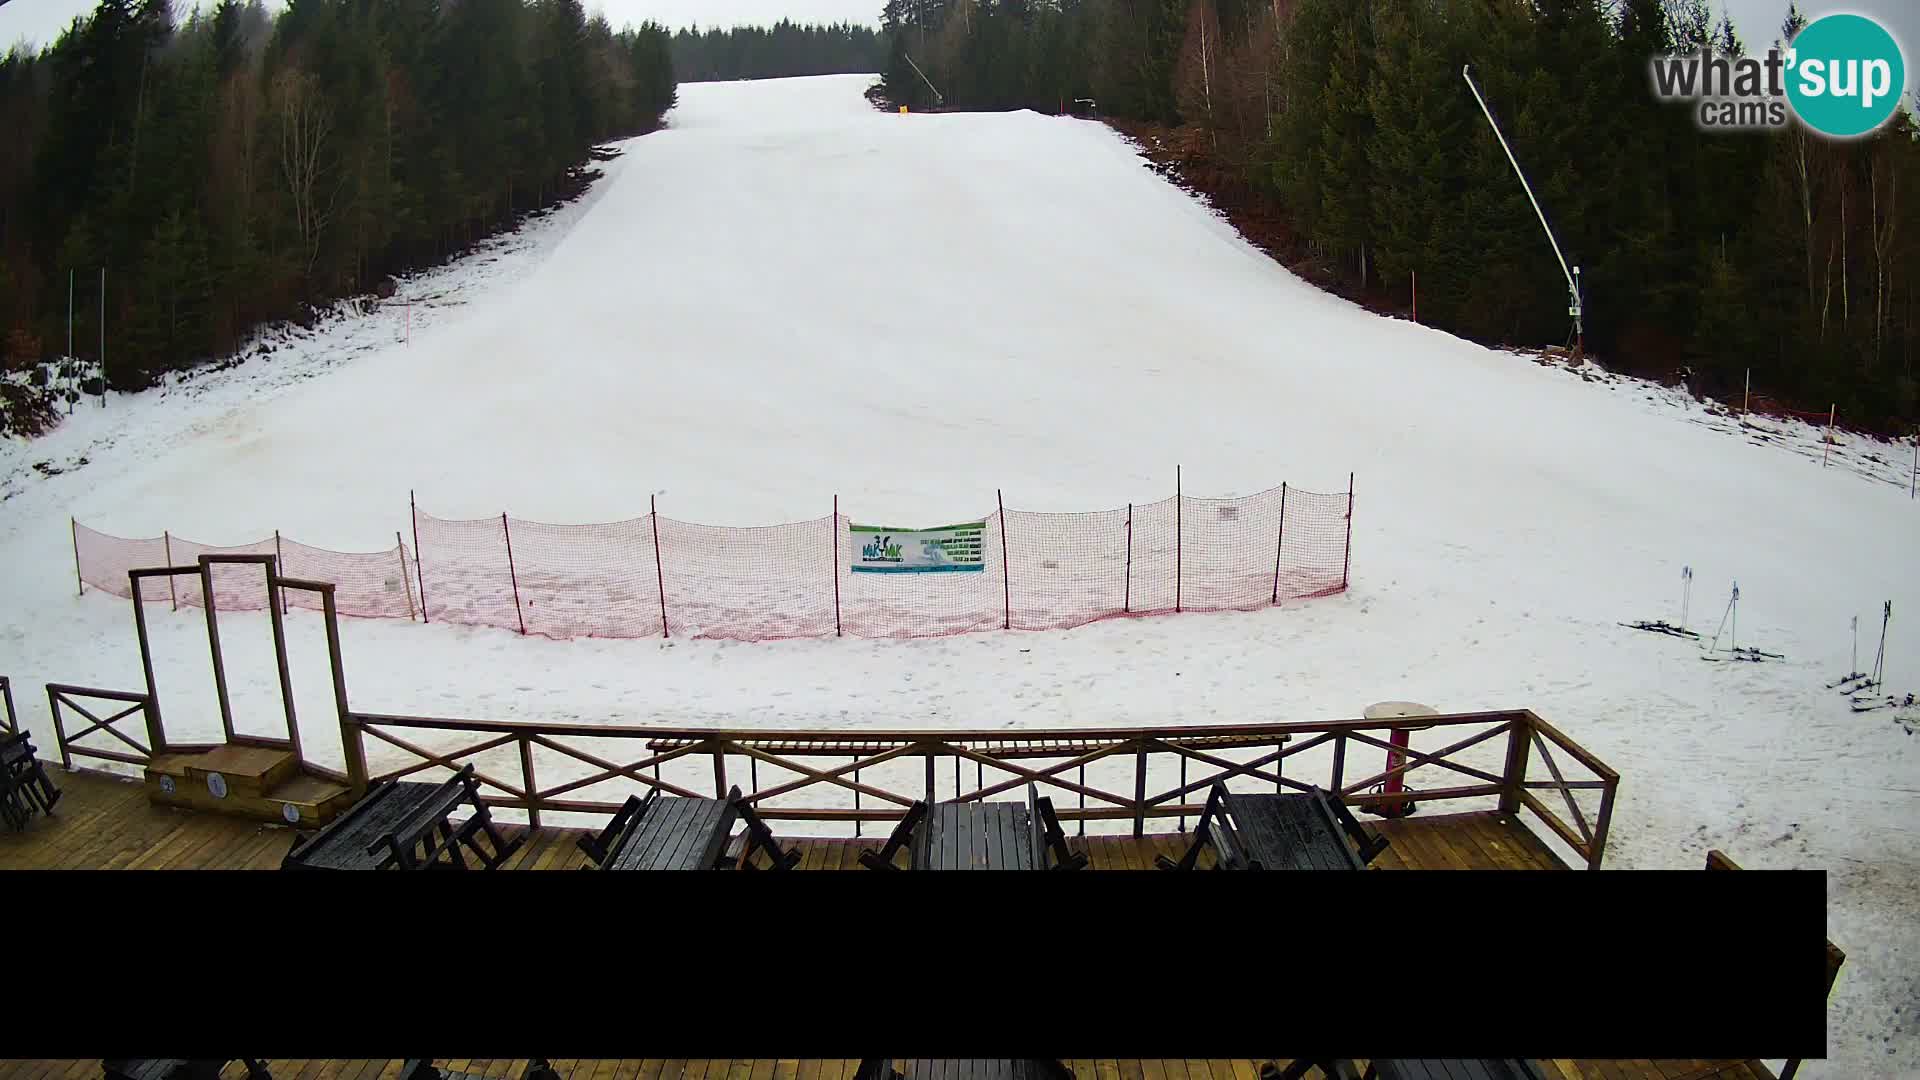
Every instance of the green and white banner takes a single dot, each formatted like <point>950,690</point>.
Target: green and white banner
<point>878,549</point>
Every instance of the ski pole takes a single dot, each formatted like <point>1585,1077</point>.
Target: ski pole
<point>1686,593</point>
<point>1733,613</point>
<point>1853,665</point>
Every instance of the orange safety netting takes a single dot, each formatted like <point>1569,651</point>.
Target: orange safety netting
<point>655,576</point>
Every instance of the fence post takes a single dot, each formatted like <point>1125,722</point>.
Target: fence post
<point>1339,762</point>
<point>413,511</point>
<point>1281,542</point>
<point>353,745</point>
<point>1519,729</point>
<point>280,569</point>
<point>1912,485</point>
<point>836,569</point>
<point>526,781</point>
<point>1126,597</point>
<point>1832,411</point>
<point>1346,559</point>
<point>1140,792</point>
<point>1006,572</point>
<point>511,575</point>
<point>1179,515</point>
<point>401,546</point>
<point>659,575</point>
<point>74,528</point>
<point>166,545</point>
<point>60,731</point>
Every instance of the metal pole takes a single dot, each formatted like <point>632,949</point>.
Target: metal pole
<point>1126,596</point>
<point>1006,572</point>
<point>1346,560</point>
<point>413,511</point>
<point>1415,274</point>
<point>280,567</point>
<point>659,576</point>
<point>1914,483</point>
<point>1573,286</point>
<point>1178,507</point>
<point>401,546</point>
<point>1280,542</point>
<point>74,528</point>
<point>511,575</point>
<point>1832,411</point>
<point>836,566</point>
<point>1746,395</point>
<point>103,337</point>
<point>166,545</point>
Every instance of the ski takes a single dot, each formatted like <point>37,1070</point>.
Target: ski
<point>1855,677</point>
<point>1661,628</point>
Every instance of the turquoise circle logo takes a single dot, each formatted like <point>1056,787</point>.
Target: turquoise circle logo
<point>1845,75</point>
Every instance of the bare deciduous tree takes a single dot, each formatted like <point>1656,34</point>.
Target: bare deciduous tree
<point>306,122</point>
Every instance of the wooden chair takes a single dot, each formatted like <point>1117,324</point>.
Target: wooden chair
<point>1232,851</point>
<point>1049,837</point>
<point>1370,845</point>
<point>24,787</point>
<point>901,837</point>
<point>412,843</point>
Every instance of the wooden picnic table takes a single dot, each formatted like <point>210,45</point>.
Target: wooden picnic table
<point>975,834</point>
<point>1296,831</point>
<point>962,1069</point>
<point>386,829</point>
<point>678,833</point>
<point>1408,1069</point>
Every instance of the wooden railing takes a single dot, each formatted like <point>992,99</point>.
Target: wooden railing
<point>12,720</point>
<point>61,694</point>
<point>1139,773</point>
<point>1717,860</point>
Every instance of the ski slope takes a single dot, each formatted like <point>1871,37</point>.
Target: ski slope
<point>786,296</point>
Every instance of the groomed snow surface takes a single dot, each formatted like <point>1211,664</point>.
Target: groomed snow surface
<point>786,296</point>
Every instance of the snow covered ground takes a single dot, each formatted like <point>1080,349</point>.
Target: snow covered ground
<point>787,295</point>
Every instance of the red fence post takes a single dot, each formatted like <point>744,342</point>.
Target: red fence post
<point>279,569</point>
<point>659,576</point>
<point>1281,543</point>
<point>1346,560</point>
<point>1126,597</point>
<point>74,527</point>
<point>1178,514</point>
<point>836,566</point>
<point>1006,572</point>
<point>413,511</point>
<point>511,576</point>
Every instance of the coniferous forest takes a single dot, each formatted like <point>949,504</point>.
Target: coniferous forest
<point>1706,254</point>
<point>780,51</point>
<point>240,167</point>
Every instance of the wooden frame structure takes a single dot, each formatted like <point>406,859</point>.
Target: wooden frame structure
<point>1718,860</point>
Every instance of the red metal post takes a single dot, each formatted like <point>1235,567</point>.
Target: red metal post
<point>511,575</point>
<point>166,545</point>
<point>1178,513</point>
<point>279,568</point>
<point>1397,782</point>
<point>74,528</point>
<point>1126,602</point>
<point>1346,560</point>
<point>659,576</point>
<point>419,572</point>
<point>1006,573</point>
<point>836,566</point>
<point>1280,542</point>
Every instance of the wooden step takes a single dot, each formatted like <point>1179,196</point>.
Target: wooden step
<point>235,769</point>
<point>258,783</point>
<point>308,801</point>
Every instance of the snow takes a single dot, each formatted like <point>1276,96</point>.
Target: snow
<point>753,301</point>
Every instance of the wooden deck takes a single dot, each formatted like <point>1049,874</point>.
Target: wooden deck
<point>814,1069</point>
<point>107,823</point>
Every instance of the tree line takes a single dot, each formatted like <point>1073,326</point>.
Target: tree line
<point>780,51</point>
<point>1706,253</point>
<point>244,167</point>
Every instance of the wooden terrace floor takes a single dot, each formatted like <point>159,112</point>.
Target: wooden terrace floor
<point>106,823</point>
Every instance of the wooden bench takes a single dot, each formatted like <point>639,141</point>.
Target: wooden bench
<point>922,1069</point>
<point>177,1068</point>
<point>1717,860</point>
<point>24,787</point>
<point>1301,831</point>
<point>396,822</point>
<point>674,833</point>
<point>978,835</point>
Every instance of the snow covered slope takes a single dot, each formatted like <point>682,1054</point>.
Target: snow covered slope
<point>756,302</point>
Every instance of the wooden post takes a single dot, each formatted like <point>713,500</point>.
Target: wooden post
<point>60,731</point>
<point>1346,558</point>
<point>1339,761</point>
<point>1832,411</point>
<point>526,781</point>
<point>156,738</point>
<point>1126,596</point>
<point>277,616</point>
<point>420,573</point>
<point>836,566</point>
<point>213,646</point>
<point>512,576</point>
<point>1006,572</point>
<point>166,545</point>
<point>1280,542</point>
<point>401,546</point>
<point>73,527</point>
<point>352,740</point>
<point>719,772</point>
<point>1179,508</point>
<point>1519,742</point>
<point>659,575</point>
<point>1597,846</point>
<point>1140,792</point>
<point>930,799</point>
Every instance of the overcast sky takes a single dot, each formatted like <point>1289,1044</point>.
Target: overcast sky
<point>1757,20</point>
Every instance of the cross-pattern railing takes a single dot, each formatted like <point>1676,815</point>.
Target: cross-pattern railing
<point>61,695</point>
<point>1113,774</point>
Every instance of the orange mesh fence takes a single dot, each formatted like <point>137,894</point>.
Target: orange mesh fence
<point>654,576</point>
<point>367,584</point>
